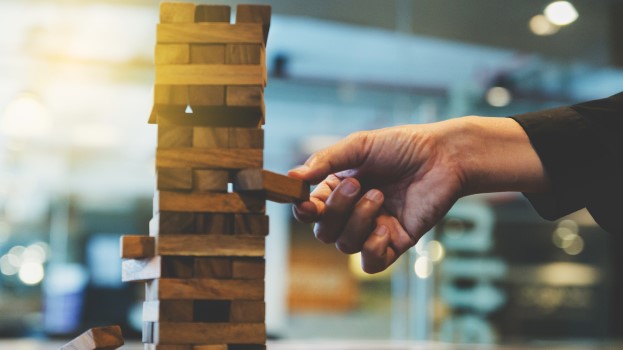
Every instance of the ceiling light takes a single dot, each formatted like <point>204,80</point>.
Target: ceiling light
<point>561,13</point>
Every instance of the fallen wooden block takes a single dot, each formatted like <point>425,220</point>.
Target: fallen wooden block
<point>278,188</point>
<point>98,338</point>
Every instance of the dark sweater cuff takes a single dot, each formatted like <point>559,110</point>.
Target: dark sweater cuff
<point>565,143</point>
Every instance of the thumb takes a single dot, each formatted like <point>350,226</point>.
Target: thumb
<point>348,153</point>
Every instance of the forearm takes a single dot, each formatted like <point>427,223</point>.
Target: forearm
<point>497,156</point>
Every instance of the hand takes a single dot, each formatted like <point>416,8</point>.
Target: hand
<point>380,191</point>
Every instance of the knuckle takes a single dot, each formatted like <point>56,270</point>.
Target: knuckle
<point>346,247</point>
<point>322,235</point>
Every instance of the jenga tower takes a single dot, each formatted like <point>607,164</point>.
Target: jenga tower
<point>203,261</point>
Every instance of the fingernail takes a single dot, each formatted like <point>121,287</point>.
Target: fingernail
<point>381,231</point>
<point>374,195</point>
<point>348,188</point>
<point>301,169</point>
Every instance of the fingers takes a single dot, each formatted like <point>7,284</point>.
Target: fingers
<point>338,208</point>
<point>360,223</point>
<point>348,153</point>
<point>312,210</point>
<point>385,245</point>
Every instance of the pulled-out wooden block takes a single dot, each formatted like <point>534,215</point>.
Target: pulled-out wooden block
<point>213,267</point>
<point>210,137</point>
<point>204,289</point>
<point>173,136</point>
<point>177,12</point>
<point>252,268</point>
<point>180,179</point>
<point>250,224</point>
<point>247,311</point>
<point>133,270</point>
<point>209,333</point>
<point>98,338</point>
<point>212,13</point>
<point>211,180</point>
<point>174,54</point>
<point>209,158</point>
<point>137,247</point>
<point>213,202</point>
<point>210,74</point>
<point>168,311</point>
<point>246,138</point>
<point>211,245</point>
<point>278,188</point>
<point>213,33</point>
<point>245,96</point>
<point>243,54</point>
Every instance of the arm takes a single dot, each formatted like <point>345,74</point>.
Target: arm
<point>380,191</point>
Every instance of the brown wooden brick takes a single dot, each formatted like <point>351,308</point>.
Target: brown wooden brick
<point>170,136</point>
<point>246,138</point>
<point>243,54</point>
<point>250,224</point>
<point>207,54</point>
<point>247,311</point>
<point>211,180</point>
<point>210,95</point>
<point>204,137</point>
<point>245,96</point>
<point>180,179</point>
<point>177,12</point>
<point>217,268</point>
<point>249,268</point>
<point>168,311</point>
<point>173,54</point>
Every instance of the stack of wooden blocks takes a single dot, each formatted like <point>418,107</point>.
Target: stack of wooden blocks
<point>203,261</point>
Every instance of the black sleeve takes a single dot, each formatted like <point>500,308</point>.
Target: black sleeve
<point>581,148</point>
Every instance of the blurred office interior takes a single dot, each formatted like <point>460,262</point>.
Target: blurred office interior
<point>77,165</point>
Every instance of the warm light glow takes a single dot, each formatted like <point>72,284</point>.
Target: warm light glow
<point>25,117</point>
<point>435,251</point>
<point>31,273</point>
<point>498,96</point>
<point>575,247</point>
<point>561,13</point>
<point>540,25</point>
<point>6,267</point>
<point>423,267</point>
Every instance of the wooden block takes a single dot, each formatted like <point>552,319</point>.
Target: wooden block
<point>200,96</point>
<point>209,74</point>
<point>210,347</point>
<point>168,311</point>
<point>133,270</point>
<point>246,138</point>
<point>207,54</point>
<point>177,12</point>
<point>172,136</point>
<point>255,14</point>
<point>167,347</point>
<point>245,96</point>
<point>214,116</point>
<point>243,54</point>
<point>137,247</point>
<point>246,347</point>
<point>209,158</point>
<point>214,223</point>
<point>212,13</point>
<point>171,95</point>
<point>211,180</point>
<point>217,268</point>
<point>213,311</point>
<point>180,179</point>
<point>204,289</point>
<point>250,224</point>
<point>278,188</point>
<point>211,245</point>
<point>213,202</point>
<point>212,33</point>
<point>249,268</point>
<point>247,311</point>
<point>173,223</point>
<point>209,333</point>
<point>210,137</point>
<point>100,338</point>
<point>174,54</point>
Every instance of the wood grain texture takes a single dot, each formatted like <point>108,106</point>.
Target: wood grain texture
<point>278,188</point>
<point>217,267</point>
<point>210,33</point>
<point>249,268</point>
<point>209,333</point>
<point>207,54</point>
<point>210,137</point>
<point>209,116</point>
<point>211,245</point>
<point>213,202</point>
<point>212,74</point>
<point>204,289</point>
<point>201,96</point>
<point>98,338</point>
<point>174,54</point>
<point>173,136</point>
<point>168,311</point>
<point>136,247</point>
<point>212,13</point>
<point>255,14</point>
<point>172,95</point>
<point>180,179</point>
<point>172,222</point>
<point>177,12</point>
<point>211,180</point>
<point>247,311</point>
<point>246,138</point>
<point>243,54</point>
<point>250,224</point>
<point>209,158</point>
<point>244,96</point>
<point>149,346</point>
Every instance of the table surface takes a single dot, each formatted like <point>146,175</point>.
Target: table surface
<point>28,344</point>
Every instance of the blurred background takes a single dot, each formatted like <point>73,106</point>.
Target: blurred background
<point>77,165</point>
